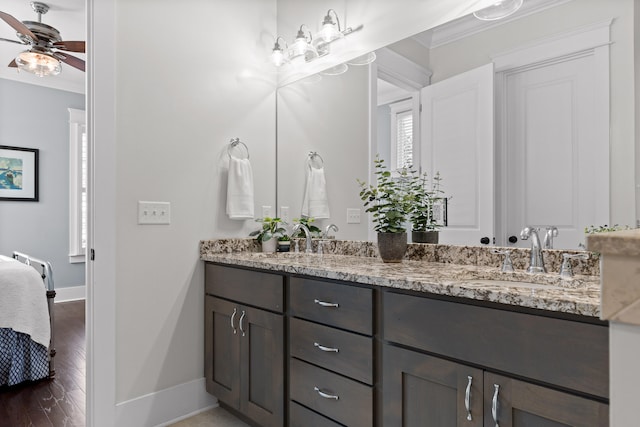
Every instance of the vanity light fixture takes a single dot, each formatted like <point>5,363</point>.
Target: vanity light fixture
<point>306,48</point>
<point>278,54</point>
<point>38,62</point>
<point>302,50</point>
<point>500,9</point>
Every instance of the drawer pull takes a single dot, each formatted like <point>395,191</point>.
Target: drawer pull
<point>326,304</point>
<point>325,395</point>
<point>327,349</point>
<point>241,320</point>
<point>233,316</point>
<point>467,398</point>
<point>494,405</point>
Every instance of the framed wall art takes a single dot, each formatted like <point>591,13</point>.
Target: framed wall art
<point>18,174</point>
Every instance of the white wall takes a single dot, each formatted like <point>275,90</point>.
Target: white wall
<point>474,51</point>
<point>37,117</point>
<point>190,76</point>
<point>330,116</point>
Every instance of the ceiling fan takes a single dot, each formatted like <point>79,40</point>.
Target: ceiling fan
<point>46,47</point>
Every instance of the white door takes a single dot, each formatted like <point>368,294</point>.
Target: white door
<point>556,161</point>
<point>457,141</point>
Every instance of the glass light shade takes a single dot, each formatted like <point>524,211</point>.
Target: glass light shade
<point>302,51</point>
<point>365,59</point>
<point>329,32</point>
<point>277,56</point>
<point>38,63</point>
<point>500,9</point>
<point>336,70</point>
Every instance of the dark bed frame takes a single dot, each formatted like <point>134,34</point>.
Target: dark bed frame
<point>45,270</point>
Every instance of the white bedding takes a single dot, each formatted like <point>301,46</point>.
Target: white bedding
<point>23,301</point>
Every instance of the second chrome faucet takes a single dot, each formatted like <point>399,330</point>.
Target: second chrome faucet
<point>536,261</point>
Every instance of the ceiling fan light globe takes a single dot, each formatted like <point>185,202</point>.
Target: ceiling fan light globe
<point>500,9</point>
<point>37,63</point>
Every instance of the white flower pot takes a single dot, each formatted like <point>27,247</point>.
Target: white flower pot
<point>270,245</point>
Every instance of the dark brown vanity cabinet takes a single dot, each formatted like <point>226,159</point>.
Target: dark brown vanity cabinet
<point>446,376</point>
<point>331,370</point>
<point>244,342</point>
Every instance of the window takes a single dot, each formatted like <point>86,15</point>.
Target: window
<point>401,134</point>
<point>77,186</point>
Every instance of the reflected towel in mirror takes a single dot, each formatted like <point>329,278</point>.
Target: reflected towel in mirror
<point>315,203</point>
<point>240,189</point>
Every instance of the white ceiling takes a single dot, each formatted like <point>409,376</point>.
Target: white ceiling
<point>68,17</point>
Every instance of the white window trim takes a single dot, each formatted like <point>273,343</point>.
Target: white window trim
<point>77,126</point>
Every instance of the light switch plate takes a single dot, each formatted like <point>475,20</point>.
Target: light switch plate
<point>284,214</point>
<point>353,216</point>
<point>154,213</point>
<point>266,211</point>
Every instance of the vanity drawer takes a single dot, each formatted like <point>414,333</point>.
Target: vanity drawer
<point>354,406</point>
<point>264,290</point>
<point>299,416</point>
<point>567,353</point>
<point>354,355</point>
<point>354,311</point>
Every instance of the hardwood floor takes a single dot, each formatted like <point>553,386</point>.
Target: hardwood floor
<point>61,401</point>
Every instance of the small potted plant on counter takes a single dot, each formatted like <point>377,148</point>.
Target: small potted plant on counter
<point>284,243</point>
<point>269,233</point>
<point>389,200</point>
<point>427,208</point>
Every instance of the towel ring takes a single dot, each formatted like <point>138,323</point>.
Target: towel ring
<point>233,144</point>
<point>315,160</point>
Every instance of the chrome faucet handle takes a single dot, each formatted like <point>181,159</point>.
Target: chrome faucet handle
<point>552,232</point>
<point>328,229</point>
<point>566,269</point>
<point>320,247</point>
<point>507,265</point>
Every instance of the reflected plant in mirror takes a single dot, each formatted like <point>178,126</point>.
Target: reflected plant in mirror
<point>425,211</point>
<point>308,222</point>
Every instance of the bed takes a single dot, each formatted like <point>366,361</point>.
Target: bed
<point>26,319</point>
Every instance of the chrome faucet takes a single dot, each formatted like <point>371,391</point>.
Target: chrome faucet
<point>536,262</point>
<point>548,237</point>
<point>328,229</point>
<point>307,233</point>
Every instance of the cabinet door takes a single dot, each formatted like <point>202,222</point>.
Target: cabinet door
<point>222,350</point>
<point>521,404</point>
<point>262,366</point>
<point>426,391</point>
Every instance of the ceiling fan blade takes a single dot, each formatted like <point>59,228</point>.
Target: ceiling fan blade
<point>18,26</point>
<point>71,60</point>
<point>70,46</point>
<point>13,64</point>
<point>10,41</point>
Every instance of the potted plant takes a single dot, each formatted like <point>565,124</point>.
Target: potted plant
<point>389,201</point>
<point>284,243</point>
<point>425,196</point>
<point>269,233</point>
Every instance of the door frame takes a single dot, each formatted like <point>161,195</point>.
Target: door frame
<point>593,40</point>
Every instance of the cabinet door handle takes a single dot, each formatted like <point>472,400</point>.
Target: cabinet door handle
<point>242,320</point>
<point>327,349</point>
<point>233,316</point>
<point>326,304</point>
<point>467,398</point>
<point>494,404</point>
<point>325,395</point>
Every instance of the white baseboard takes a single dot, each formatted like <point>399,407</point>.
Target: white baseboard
<point>165,406</point>
<point>70,293</point>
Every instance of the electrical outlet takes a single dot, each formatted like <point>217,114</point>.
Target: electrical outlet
<point>154,212</point>
<point>266,211</point>
<point>284,213</point>
<point>353,216</point>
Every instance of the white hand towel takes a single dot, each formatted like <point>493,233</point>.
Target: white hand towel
<point>240,189</point>
<point>315,202</point>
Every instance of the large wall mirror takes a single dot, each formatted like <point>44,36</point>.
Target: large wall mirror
<point>529,121</point>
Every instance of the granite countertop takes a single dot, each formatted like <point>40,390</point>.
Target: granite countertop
<point>578,295</point>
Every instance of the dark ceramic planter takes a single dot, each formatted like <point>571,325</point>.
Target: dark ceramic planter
<point>392,246</point>
<point>424,236</point>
